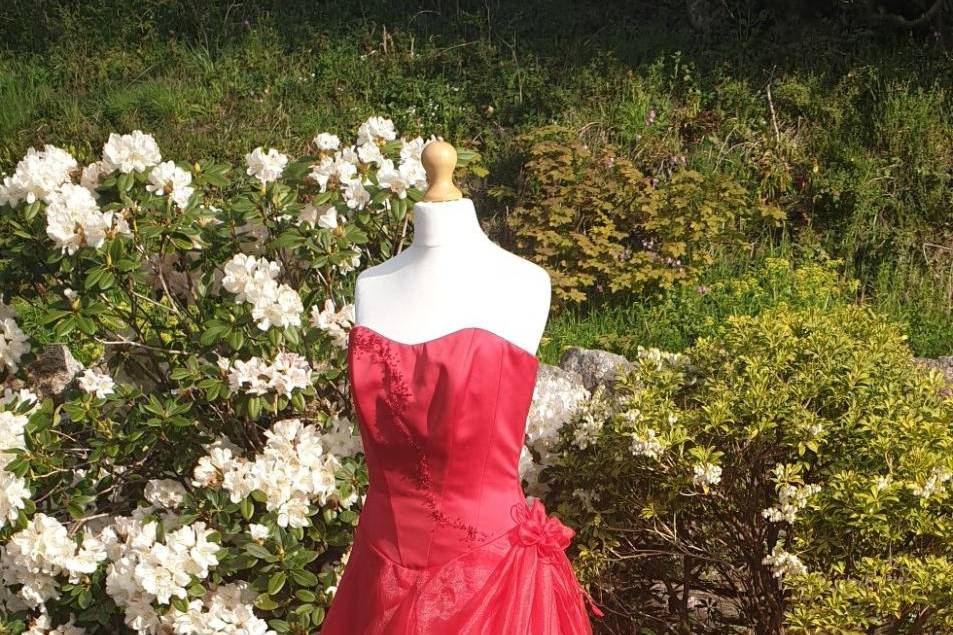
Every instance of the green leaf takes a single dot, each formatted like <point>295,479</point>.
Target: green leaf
<point>276,582</point>
<point>304,578</point>
<point>265,603</point>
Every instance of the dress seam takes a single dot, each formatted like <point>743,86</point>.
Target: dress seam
<point>446,467</point>
<point>489,447</point>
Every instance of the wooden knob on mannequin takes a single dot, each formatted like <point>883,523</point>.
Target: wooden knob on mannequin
<point>439,160</point>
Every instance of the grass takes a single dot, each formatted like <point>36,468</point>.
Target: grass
<point>849,130</point>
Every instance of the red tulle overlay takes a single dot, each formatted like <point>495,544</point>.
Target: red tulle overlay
<point>520,583</point>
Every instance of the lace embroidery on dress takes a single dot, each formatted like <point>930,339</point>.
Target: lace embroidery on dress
<point>396,395</point>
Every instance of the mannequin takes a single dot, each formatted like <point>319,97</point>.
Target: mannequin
<point>452,276</point>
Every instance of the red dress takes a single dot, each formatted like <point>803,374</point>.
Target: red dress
<point>446,544</point>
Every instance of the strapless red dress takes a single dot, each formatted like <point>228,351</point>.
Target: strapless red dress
<point>446,543</point>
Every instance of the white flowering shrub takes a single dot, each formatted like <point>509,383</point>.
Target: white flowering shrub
<point>791,473</point>
<point>202,473</point>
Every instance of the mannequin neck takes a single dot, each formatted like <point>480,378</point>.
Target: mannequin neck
<point>446,224</point>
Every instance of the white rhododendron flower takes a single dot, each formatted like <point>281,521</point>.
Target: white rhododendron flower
<point>288,372</point>
<point>356,195</point>
<point>93,175</point>
<point>334,171</point>
<point>73,219</point>
<point>329,219</point>
<point>13,344</point>
<point>42,552</point>
<point>38,174</point>
<point>335,323</point>
<point>393,179</point>
<point>295,469</point>
<point>165,493</point>
<point>370,153</point>
<point>258,532</point>
<point>252,280</point>
<point>277,305</point>
<point>144,570</point>
<point>13,495</point>
<point>265,166</point>
<point>96,383</point>
<point>228,610</point>
<point>326,141</point>
<point>376,130</point>
<point>413,149</point>
<point>168,179</point>
<point>135,151</point>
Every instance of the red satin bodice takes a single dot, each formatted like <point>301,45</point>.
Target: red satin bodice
<point>445,539</point>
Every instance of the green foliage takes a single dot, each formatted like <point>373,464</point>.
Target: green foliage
<point>601,227</point>
<point>792,468</point>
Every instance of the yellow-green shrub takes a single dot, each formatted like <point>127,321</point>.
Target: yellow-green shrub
<point>601,226</point>
<point>685,468</point>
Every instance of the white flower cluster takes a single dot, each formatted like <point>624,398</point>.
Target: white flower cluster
<point>42,625</point>
<point>73,219</point>
<point>783,563</point>
<point>96,383</point>
<point>265,166</point>
<point>252,280</point>
<point>37,176</point>
<point>131,152</point>
<point>792,499</point>
<point>165,493</point>
<point>13,489</point>
<point>169,179</point>
<point>13,341</point>
<point>225,611</point>
<point>556,401</point>
<point>336,323</point>
<point>41,552</point>
<point>287,372</point>
<point>339,167</point>
<point>706,474</point>
<point>646,442</point>
<point>296,467</point>
<point>591,420</point>
<point>144,570</point>
<point>937,480</point>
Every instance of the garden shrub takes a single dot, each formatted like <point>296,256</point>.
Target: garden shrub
<point>791,471</point>
<point>203,473</point>
<point>601,227</point>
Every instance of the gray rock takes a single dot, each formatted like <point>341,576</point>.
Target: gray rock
<point>53,370</point>
<point>594,366</point>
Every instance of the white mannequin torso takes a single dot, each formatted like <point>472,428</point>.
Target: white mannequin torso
<point>451,277</point>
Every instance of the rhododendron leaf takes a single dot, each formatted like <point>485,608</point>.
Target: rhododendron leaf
<point>265,603</point>
<point>304,578</point>
<point>277,582</point>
